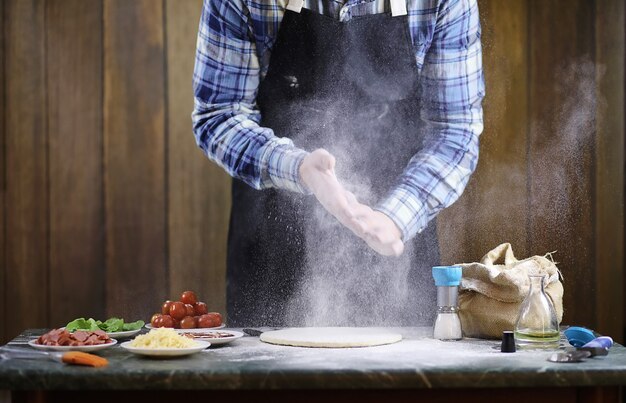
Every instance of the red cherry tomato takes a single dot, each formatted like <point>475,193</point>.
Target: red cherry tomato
<point>200,308</point>
<point>205,321</point>
<point>188,297</point>
<point>154,318</point>
<point>216,318</point>
<point>165,308</point>
<point>189,311</point>
<point>167,321</point>
<point>178,310</point>
<point>158,322</point>
<point>188,322</point>
<point>176,323</point>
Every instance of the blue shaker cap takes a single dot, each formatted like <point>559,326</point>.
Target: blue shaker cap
<point>447,275</point>
<point>578,336</point>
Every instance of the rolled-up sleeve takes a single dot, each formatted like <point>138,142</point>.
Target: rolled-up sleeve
<point>452,89</point>
<point>226,120</point>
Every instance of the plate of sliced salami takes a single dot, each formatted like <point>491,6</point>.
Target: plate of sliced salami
<point>62,340</point>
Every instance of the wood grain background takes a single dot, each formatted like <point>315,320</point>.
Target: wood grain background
<point>108,207</point>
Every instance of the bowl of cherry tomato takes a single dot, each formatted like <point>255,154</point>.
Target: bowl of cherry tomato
<point>186,313</point>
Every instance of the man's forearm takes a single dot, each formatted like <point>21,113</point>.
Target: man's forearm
<point>230,137</point>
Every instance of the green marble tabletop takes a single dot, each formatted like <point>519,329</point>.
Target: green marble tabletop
<point>418,361</point>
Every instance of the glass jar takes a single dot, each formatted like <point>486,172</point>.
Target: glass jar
<point>537,325</point>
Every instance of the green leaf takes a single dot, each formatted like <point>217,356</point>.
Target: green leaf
<point>112,325</point>
<point>77,324</point>
<point>133,325</point>
<point>82,324</point>
<point>92,325</point>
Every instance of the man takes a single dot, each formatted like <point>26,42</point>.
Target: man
<point>388,92</point>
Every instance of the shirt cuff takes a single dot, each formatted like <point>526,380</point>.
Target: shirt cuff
<point>406,210</point>
<point>283,167</point>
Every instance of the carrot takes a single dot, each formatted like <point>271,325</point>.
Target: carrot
<point>80,358</point>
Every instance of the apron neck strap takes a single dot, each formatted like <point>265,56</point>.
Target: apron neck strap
<point>398,8</point>
<point>295,5</point>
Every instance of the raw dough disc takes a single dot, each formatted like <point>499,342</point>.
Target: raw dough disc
<point>333,337</point>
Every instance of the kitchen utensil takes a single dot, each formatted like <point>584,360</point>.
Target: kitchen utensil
<point>598,346</point>
<point>578,336</point>
<point>569,356</point>
<point>594,351</point>
<point>70,357</point>
<point>256,332</point>
<point>602,341</point>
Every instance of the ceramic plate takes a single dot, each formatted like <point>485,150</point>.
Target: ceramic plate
<point>165,352</point>
<point>213,340</point>
<point>122,335</point>
<point>149,326</point>
<point>88,349</point>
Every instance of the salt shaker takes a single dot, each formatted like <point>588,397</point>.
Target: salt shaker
<point>447,325</point>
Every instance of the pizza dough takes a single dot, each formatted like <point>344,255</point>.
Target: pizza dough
<point>332,337</point>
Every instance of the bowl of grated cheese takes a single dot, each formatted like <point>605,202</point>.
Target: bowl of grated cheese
<point>164,342</point>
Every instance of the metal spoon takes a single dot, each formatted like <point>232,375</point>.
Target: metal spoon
<point>595,351</point>
<point>569,356</point>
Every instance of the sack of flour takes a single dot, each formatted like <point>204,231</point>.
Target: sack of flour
<point>492,291</point>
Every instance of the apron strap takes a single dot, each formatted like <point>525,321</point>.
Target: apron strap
<point>398,8</point>
<point>295,5</point>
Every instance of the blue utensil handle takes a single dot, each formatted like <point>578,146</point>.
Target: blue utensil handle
<point>602,341</point>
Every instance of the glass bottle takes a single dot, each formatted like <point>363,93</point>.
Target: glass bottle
<point>447,325</point>
<point>537,326</point>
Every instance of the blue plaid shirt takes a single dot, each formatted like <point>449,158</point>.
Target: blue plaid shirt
<point>234,44</point>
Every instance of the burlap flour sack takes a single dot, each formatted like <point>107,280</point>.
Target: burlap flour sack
<point>492,291</point>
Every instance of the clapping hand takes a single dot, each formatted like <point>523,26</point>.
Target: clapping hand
<point>380,232</point>
<point>317,173</point>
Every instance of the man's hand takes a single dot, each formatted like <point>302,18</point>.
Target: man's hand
<point>379,231</point>
<point>317,172</point>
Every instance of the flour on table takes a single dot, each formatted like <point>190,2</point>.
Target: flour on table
<point>331,337</point>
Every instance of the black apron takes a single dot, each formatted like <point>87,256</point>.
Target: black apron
<point>351,88</point>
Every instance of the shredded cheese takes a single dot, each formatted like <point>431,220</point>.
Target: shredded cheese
<point>162,338</point>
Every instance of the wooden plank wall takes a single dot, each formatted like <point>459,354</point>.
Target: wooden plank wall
<point>611,121</point>
<point>561,146</point>
<point>494,206</point>
<point>198,192</point>
<point>99,128</point>
<point>74,68</point>
<point>550,175</point>
<point>3,246</point>
<point>26,197</point>
<point>108,207</point>
<point>134,156</point>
